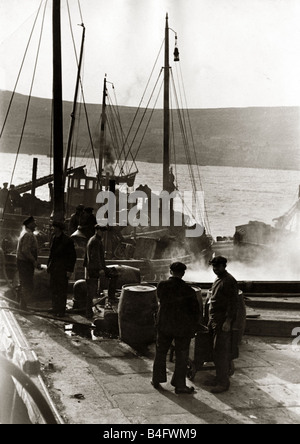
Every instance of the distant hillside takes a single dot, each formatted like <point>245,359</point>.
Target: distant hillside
<point>241,137</point>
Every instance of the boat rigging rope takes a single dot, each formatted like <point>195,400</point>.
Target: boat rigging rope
<point>188,120</point>
<point>115,110</point>
<point>117,134</point>
<point>30,92</point>
<point>149,119</point>
<point>91,144</point>
<point>142,98</point>
<point>187,153</point>
<point>20,70</point>
<point>79,7</point>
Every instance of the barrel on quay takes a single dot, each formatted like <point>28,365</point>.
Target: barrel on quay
<point>137,306</point>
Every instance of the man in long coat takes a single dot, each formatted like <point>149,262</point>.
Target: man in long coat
<point>222,314</point>
<point>177,320</point>
<point>61,263</point>
<point>27,255</point>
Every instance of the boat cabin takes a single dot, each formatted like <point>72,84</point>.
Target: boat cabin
<point>81,189</point>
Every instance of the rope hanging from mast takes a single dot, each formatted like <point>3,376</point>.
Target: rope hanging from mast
<point>140,104</point>
<point>118,138</point>
<point>30,92</point>
<point>187,134</point>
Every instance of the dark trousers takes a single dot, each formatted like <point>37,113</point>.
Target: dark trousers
<point>222,355</point>
<point>92,293</point>
<point>59,290</point>
<point>26,273</point>
<point>163,343</point>
<point>92,284</point>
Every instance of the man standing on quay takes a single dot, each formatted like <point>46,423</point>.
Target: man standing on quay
<point>27,253</point>
<point>61,263</point>
<point>94,262</point>
<point>177,320</point>
<point>222,313</point>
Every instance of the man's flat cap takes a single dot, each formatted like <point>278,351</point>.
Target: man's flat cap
<point>100,227</point>
<point>218,260</point>
<point>178,266</point>
<point>58,224</point>
<point>28,221</point>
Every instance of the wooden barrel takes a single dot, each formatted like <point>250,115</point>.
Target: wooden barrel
<point>136,309</point>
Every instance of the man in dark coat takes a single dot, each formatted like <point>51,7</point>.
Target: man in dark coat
<point>87,222</point>
<point>177,320</point>
<point>4,195</point>
<point>61,263</point>
<point>222,313</point>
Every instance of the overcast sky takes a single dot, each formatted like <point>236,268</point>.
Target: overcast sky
<point>234,53</point>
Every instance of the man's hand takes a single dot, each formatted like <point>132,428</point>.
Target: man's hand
<point>226,326</point>
<point>69,274</point>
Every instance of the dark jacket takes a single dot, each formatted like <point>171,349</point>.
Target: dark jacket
<point>62,257</point>
<point>94,259</point>
<point>224,298</point>
<point>178,313</point>
<point>87,223</point>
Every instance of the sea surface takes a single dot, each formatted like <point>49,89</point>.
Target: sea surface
<point>233,196</point>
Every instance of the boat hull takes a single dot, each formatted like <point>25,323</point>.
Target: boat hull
<point>256,241</point>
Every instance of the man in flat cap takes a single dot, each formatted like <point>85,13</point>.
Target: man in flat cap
<point>177,320</point>
<point>61,263</point>
<point>222,313</point>
<point>27,255</point>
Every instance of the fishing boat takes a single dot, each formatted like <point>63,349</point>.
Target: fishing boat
<point>257,241</point>
<point>154,238</point>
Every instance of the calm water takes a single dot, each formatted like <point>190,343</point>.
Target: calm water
<point>233,196</point>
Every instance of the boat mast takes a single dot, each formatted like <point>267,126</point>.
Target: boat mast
<point>102,132</point>
<point>58,198</point>
<point>73,113</point>
<point>166,148</point>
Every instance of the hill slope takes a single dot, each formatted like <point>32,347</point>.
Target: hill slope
<point>241,137</point>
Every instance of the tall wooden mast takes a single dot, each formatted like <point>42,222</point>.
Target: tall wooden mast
<point>166,147</point>
<point>58,198</point>
<point>102,132</point>
<point>73,113</point>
